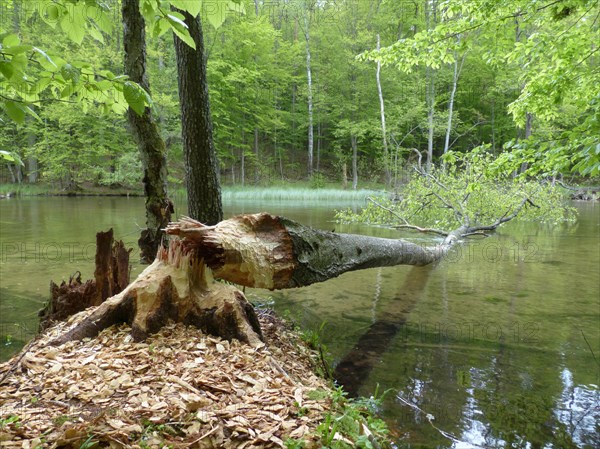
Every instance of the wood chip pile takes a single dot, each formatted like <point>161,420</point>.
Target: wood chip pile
<point>180,388</point>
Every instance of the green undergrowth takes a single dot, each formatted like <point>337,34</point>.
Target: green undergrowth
<point>349,422</point>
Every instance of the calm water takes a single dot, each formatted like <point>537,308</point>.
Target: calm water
<point>500,342</point>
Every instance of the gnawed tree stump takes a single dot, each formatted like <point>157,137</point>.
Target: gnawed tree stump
<point>176,286</point>
<point>110,277</point>
<point>260,250</point>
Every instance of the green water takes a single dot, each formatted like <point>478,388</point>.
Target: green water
<point>500,342</point>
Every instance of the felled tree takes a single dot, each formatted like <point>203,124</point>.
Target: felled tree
<point>260,250</point>
<point>266,251</point>
<point>466,197</point>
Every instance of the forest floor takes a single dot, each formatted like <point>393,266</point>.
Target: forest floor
<point>180,388</point>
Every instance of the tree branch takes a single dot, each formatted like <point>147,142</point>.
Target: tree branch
<point>424,230</point>
<point>504,217</point>
<point>395,214</point>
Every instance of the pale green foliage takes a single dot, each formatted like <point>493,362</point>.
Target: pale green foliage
<point>30,75</point>
<point>127,171</point>
<point>550,46</point>
<point>473,189</point>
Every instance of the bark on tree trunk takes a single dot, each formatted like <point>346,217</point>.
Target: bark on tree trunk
<point>457,70</point>
<point>257,155</point>
<point>201,165</point>
<point>430,18</point>
<point>354,142</point>
<point>150,144</point>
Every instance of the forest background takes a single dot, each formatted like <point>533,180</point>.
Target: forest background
<point>299,92</point>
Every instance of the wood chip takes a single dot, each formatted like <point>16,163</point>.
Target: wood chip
<point>222,394</point>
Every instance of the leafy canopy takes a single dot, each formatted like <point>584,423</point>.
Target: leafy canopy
<point>551,45</point>
<point>30,75</point>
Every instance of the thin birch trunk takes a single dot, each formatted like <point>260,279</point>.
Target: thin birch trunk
<point>388,177</point>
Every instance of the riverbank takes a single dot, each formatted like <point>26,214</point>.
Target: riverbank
<point>181,388</point>
<point>290,192</point>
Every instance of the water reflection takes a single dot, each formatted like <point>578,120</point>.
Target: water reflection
<point>501,344</point>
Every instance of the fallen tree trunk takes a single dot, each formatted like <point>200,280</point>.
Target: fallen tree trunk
<point>266,251</point>
<point>259,250</point>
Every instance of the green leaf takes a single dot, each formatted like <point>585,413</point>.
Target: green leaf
<point>184,36</point>
<point>176,18</point>
<point>216,13</point>
<point>31,112</point>
<point>73,24</point>
<point>15,111</point>
<point>70,73</point>
<point>135,97</point>
<point>7,156</point>
<point>7,69</point>
<point>161,26</point>
<point>52,13</point>
<point>96,34</point>
<point>191,6</point>
<point>18,49</point>
<point>45,56</point>
<point>11,40</point>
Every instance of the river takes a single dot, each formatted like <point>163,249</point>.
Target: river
<point>499,343</point>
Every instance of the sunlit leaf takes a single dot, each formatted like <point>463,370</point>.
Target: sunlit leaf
<point>191,6</point>
<point>134,96</point>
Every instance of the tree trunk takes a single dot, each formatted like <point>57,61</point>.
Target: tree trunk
<point>319,142</point>
<point>32,170</point>
<point>457,70</point>
<point>201,165</point>
<point>430,93</point>
<point>310,99</point>
<point>354,142</point>
<point>260,251</point>
<point>257,155</point>
<point>150,144</point>
<point>386,156</point>
<point>243,159</point>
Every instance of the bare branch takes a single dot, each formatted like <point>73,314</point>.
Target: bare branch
<point>425,230</point>
<point>395,214</point>
<point>457,214</point>
<point>406,224</point>
<point>430,419</point>
<point>506,217</point>
<point>420,167</point>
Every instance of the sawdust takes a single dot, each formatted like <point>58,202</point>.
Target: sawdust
<point>180,388</point>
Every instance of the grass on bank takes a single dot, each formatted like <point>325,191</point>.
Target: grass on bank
<point>296,192</point>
